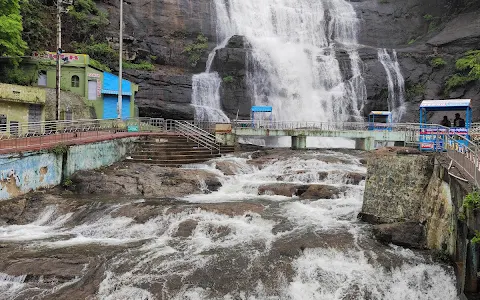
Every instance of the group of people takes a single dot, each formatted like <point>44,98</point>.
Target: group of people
<point>457,122</point>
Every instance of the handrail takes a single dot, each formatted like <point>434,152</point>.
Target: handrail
<point>192,132</point>
<point>204,133</point>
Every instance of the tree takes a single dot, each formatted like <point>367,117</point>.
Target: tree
<point>11,43</point>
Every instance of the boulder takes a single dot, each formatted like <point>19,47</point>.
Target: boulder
<point>280,189</point>
<point>186,228</point>
<point>405,234</point>
<point>226,167</point>
<point>319,191</point>
<point>354,178</point>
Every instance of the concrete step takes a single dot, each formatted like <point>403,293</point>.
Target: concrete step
<point>174,156</point>
<point>169,162</point>
<point>175,151</point>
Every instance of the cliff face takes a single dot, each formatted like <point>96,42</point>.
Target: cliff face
<point>419,31</point>
<point>160,30</point>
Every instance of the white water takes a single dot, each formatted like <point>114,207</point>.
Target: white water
<point>206,98</point>
<point>341,269</point>
<point>396,83</point>
<point>296,69</point>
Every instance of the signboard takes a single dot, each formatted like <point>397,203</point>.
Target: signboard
<point>445,103</point>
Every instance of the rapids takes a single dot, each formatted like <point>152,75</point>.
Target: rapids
<point>227,244</point>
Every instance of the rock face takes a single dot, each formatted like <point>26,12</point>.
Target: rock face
<point>395,186</point>
<point>419,30</point>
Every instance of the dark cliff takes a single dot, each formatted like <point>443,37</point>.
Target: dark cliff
<point>420,31</point>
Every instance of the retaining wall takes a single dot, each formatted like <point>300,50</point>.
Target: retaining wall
<point>21,173</point>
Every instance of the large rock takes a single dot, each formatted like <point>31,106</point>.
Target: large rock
<point>319,191</point>
<point>231,64</point>
<point>406,234</point>
<point>143,180</point>
<point>281,189</point>
<point>395,186</point>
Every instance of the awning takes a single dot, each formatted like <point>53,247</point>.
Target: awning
<point>115,92</point>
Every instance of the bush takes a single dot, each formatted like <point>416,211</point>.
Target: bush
<point>59,149</point>
<point>98,65</point>
<point>469,70</point>
<point>196,50</point>
<point>472,200</point>
<point>438,62</point>
<point>228,79</point>
<point>143,65</point>
<point>415,90</point>
<point>67,182</point>
<point>476,238</point>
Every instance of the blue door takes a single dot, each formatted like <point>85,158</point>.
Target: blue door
<point>110,107</point>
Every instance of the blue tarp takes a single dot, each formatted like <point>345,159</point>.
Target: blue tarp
<point>262,109</point>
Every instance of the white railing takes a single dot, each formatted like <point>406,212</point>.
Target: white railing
<point>464,153</point>
<point>198,135</point>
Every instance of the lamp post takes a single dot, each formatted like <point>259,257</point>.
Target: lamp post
<point>59,47</point>
<point>120,61</point>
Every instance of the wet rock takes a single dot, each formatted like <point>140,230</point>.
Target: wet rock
<point>186,228</point>
<point>143,180</point>
<point>280,189</point>
<point>11,210</point>
<point>355,178</point>
<point>226,167</point>
<point>406,234</point>
<point>319,191</point>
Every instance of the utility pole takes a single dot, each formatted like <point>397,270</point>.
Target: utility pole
<point>59,50</point>
<point>60,10</point>
<point>120,62</point>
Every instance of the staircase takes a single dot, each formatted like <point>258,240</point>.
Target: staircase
<point>186,144</point>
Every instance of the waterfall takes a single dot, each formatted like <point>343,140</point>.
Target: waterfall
<point>396,83</point>
<point>295,65</point>
<point>206,98</point>
<point>206,93</point>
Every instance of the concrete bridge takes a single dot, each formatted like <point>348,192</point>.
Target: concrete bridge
<point>299,131</point>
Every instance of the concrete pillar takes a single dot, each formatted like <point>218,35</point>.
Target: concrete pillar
<point>299,142</point>
<point>366,144</point>
<point>225,139</point>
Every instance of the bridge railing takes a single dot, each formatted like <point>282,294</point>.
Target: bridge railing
<point>465,154</point>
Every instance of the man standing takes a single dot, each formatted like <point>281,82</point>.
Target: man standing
<point>446,122</point>
<point>458,122</point>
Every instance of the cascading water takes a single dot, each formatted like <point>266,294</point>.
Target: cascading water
<point>234,243</point>
<point>206,94</point>
<point>295,66</point>
<point>396,83</point>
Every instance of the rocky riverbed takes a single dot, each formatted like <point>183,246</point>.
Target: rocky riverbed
<point>263,225</point>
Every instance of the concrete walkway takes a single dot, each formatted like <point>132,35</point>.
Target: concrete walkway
<point>72,138</point>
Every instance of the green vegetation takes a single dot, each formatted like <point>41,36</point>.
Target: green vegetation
<point>438,62</point>
<point>38,24</point>
<point>476,238</point>
<point>59,149</point>
<point>143,65</point>
<point>415,90</point>
<point>67,182</point>
<point>433,22</point>
<point>228,79</point>
<point>468,68</point>
<point>11,42</point>
<point>14,75</point>
<point>472,200</point>
<point>410,42</point>
<point>98,65</point>
<point>428,17</point>
<point>196,49</point>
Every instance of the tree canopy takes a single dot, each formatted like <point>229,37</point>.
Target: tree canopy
<point>11,42</point>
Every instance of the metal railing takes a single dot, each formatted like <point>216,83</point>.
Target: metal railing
<point>198,135</point>
<point>464,153</point>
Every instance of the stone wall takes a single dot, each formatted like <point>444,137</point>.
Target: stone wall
<point>25,172</point>
<point>416,201</point>
<point>77,105</point>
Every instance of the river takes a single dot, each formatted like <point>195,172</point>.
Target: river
<point>231,243</point>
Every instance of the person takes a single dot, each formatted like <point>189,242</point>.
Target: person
<point>446,122</point>
<point>458,122</point>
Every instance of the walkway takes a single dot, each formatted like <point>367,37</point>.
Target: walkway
<point>73,138</point>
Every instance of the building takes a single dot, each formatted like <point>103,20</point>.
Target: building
<point>98,88</point>
<point>20,106</point>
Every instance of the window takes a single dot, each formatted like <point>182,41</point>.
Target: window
<point>42,78</point>
<point>3,123</point>
<point>75,81</point>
